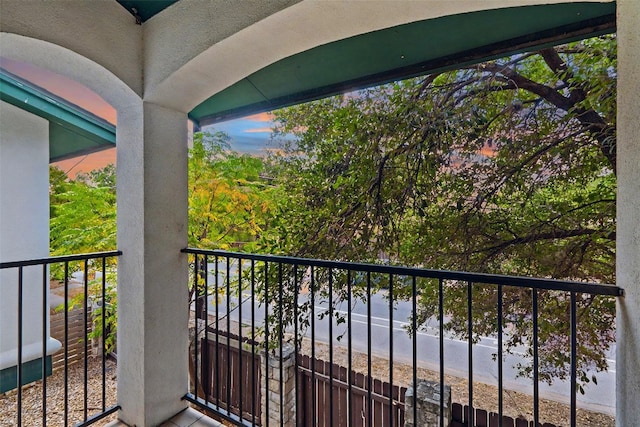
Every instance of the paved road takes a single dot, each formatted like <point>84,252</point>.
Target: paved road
<point>600,398</point>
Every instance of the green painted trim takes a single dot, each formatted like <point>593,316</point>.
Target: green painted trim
<point>146,9</point>
<point>405,51</point>
<point>31,371</point>
<point>73,131</point>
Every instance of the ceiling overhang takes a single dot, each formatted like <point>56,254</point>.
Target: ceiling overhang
<point>144,10</point>
<point>73,131</point>
<point>405,51</point>
<point>368,59</point>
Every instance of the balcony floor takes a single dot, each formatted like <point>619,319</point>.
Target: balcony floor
<point>187,418</point>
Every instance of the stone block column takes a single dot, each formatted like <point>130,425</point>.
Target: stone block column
<point>426,398</point>
<point>270,383</point>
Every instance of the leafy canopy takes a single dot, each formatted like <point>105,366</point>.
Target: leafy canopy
<point>229,202</point>
<point>502,167</point>
<point>229,205</point>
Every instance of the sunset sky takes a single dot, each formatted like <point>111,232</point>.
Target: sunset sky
<point>248,135</point>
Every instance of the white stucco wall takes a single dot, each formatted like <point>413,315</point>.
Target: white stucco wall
<point>628,211</point>
<point>218,58</point>
<point>101,31</point>
<point>24,229</point>
<point>152,273</point>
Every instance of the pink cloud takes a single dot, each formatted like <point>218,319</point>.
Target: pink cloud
<point>259,130</point>
<point>65,88</point>
<point>260,117</point>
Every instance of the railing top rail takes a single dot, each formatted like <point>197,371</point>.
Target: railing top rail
<point>57,259</point>
<point>483,278</point>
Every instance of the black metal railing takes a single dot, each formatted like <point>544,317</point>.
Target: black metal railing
<point>70,386</point>
<point>352,326</point>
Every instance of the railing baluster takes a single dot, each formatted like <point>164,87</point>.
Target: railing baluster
<point>369,382</point>
<point>414,350</point>
<point>349,354</point>
<point>19,379</point>
<point>500,375</point>
<point>470,334</point>
<point>280,343</point>
<point>66,343</point>
<point>85,306</point>
<point>441,345</point>
<point>45,338</point>
<point>240,364</point>
<point>313,349</point>
<point>574,355</point>
<point>104,333</point>
<point>330,345</point>
<point>391,350</point>
<point>266,340</point>
<point>253,342</point>
<point>217,296</point>
<point>229,372</point>
<point>536,395</point>
<point>296,344</point>
<point>207,390</point>
<point>196,293</point>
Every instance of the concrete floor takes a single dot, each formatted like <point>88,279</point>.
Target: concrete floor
<point>187,418</point>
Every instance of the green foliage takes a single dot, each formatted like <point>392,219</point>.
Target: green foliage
<point>83,219</point>
<point>229,204</point>
<point>83,212</point>
<point>103,307</point>
<point>503,167</point>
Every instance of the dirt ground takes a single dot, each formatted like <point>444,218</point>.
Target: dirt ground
<point>485,396</point>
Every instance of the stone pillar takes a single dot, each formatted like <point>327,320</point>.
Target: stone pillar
<point>24,235</point>
<point>152,272</point>
<point>427,402</point>
<point>270,383</point>
<point>628,215</point>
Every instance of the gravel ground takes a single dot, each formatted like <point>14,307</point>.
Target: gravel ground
<point>485,396</point>
<point>32,397</point>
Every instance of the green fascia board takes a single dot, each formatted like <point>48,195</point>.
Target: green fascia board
<point>146,9</point>
<point>31,371</point>
<point>73,131</point>
<point>75,143</point>
<point>405,51</point>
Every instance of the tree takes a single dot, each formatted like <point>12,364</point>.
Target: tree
<point>229,206</point>
<point>503,167</point>
<point>229,203</point>
<point>83,219</point>
<point>82,212</point>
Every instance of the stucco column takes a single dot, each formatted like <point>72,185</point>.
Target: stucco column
<point>628,221</point>
<point>152,281</point>
<point>24,235</point>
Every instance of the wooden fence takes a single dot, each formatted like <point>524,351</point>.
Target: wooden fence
<point>226,367</point>
<point>379,413</point>
<point>231,374</point>
<point>75,338</point>
<point>482,418</point>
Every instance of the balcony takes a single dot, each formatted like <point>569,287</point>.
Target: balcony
<point>289,341</point>
<point>160,63</point>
